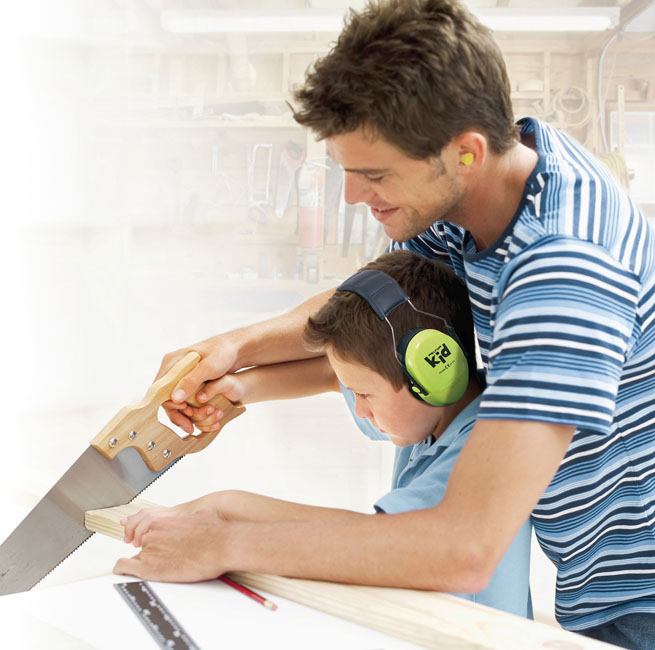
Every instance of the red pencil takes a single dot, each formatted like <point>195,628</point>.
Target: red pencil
<point>248,592</point>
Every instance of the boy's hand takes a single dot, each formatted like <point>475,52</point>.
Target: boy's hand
<point>218,356</point>
<point>179,549</point>
<point>207,418</point>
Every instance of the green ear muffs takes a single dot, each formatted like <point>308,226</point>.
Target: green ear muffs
<point>433,362</point>
<point>434,365</point>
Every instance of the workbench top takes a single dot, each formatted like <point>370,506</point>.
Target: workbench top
<point>91,614</point>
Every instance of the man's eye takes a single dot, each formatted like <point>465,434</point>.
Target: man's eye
<point>374,179</point>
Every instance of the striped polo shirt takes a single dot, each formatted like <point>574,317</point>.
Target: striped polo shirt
<point>564,311</point>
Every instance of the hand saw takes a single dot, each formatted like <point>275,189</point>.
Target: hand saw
<point>129,453</point>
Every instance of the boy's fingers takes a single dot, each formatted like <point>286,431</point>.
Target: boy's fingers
<point>208,428</point>
<point>205,419</point>
<point>203,412</point>
<point>176,417</point>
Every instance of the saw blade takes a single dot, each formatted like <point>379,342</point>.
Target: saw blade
<point>55,526</point>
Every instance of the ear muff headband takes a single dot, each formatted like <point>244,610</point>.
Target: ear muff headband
<point>434,363</point>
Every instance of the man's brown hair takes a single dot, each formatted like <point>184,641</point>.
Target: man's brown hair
<point>414,72</point>
<point>348,324</point>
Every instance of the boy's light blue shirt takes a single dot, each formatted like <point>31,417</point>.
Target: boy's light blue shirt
<point>420,476</point>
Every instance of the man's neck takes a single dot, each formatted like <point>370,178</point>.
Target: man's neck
<point>494,199</point>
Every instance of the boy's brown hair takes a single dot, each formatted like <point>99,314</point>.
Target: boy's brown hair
<point>416,73</point>
<point>350,327</point>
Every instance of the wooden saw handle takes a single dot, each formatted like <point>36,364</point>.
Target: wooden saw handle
<point>137,425</point>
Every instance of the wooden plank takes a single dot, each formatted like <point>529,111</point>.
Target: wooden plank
<point>429,619</point>
<point>106,520</point>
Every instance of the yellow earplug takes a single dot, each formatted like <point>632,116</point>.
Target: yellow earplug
<point>467,158</point>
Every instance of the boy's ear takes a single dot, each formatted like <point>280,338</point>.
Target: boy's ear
<point>414,387</point>
<point>434,364</point>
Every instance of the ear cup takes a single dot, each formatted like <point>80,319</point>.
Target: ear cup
<point>414,388</point>
<point>435,366</point>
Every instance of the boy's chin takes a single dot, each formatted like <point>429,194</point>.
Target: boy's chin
<point>402,442</point>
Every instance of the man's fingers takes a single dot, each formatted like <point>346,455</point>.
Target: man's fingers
<point>170,405</point>
<point>169,361</point>
<point>143,528</point>
<point>128,567</point>
<point>189,384</point>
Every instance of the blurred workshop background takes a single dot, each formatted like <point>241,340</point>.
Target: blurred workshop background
<point>158,192</point>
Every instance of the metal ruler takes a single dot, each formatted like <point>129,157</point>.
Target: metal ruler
<point>155,617</point>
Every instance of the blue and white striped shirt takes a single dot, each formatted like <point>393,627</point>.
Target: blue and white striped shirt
<point>564,311</point>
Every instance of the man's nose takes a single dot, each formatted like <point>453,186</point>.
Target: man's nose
<point>357,188</point>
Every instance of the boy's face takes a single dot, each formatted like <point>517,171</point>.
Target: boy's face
<point>402,417</point>
<point>405,195</point>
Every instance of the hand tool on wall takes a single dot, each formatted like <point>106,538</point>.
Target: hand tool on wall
<point>291,158</point>
<point>334,177</point>
<point>311,202</point>
<point>259,197</point>
<point>129,453</point>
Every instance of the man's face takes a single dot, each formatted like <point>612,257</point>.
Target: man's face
<point>402,417</point>
<point>405,195</point>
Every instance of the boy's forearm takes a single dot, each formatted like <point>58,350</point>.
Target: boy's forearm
<point>288,380</point>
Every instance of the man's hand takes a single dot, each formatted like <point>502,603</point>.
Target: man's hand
<point>179,549</point>
<point>279,339</point>
<point>138,524</point>
<point>218,356</point>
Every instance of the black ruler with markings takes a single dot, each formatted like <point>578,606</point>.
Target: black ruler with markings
<point>155,617</point>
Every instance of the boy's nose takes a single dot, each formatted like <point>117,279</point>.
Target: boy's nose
<point>361,410</point>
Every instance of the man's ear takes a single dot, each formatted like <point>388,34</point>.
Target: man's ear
<point>470,149</point>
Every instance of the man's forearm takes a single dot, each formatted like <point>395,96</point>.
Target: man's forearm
<point>276,339</point>
<point>404,550</point>
<point>453,547</point>
<point>237,505</point>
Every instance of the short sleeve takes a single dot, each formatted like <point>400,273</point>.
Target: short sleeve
<point>443,241</point>
<point>429,480</point>
<point>563,328</point>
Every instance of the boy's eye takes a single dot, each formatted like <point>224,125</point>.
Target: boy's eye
<point>374,179</point>
<point>362,395</point>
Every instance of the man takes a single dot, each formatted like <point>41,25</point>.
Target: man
<point>560,267</point>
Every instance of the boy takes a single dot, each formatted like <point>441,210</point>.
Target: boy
<point>360,359</point>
